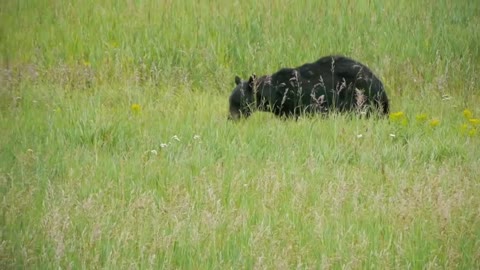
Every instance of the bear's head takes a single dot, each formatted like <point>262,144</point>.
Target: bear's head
<point>242,99</point>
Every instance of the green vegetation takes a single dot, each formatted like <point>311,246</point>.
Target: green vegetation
<point>115,151</point>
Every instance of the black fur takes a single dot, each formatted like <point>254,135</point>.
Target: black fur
<point>332,83</point>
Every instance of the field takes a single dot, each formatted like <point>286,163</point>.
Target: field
<point>116,152</point>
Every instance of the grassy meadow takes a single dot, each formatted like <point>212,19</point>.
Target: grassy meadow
<point>116,152</point>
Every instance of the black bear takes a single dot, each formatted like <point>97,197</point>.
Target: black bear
<point>332,83</point>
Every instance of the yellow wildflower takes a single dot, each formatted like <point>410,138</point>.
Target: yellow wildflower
<point>474,121</point>
<point>434,122</point>
<point>466,129</point>
<point>397,115</point>
<point>467,114</point>
<point>421,117</point>
<point>136,108</point>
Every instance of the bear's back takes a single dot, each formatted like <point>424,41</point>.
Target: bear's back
<point>324,66</point>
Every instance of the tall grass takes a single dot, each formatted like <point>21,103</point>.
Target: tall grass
<point>115,150</point>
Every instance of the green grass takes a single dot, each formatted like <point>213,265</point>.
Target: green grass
<point>90,180</point>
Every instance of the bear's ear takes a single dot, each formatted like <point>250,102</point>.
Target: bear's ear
<point>238,80</point>
<point>251,80</point>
